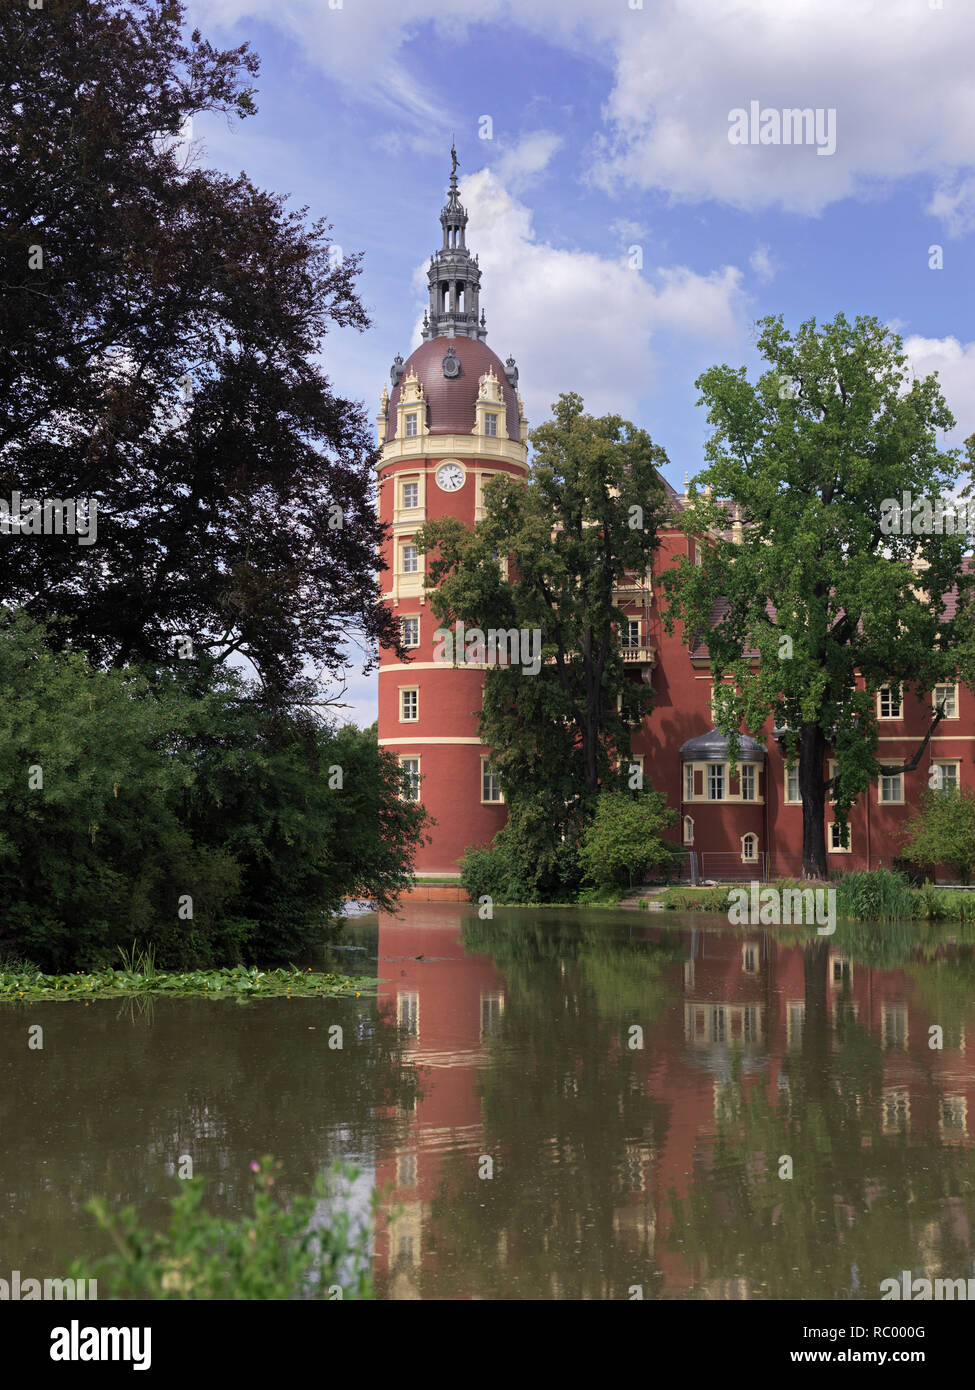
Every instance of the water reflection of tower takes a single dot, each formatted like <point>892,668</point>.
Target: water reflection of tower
<point>448,1005</point>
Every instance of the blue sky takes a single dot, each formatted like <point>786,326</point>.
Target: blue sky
<point>608,126</point>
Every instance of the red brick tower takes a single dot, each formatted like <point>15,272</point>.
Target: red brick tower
<point>454,419</point>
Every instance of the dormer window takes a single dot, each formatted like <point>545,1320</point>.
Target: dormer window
<point>412,427</point>
<point>491,425</point>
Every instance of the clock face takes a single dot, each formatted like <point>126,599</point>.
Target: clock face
<point>450,477</point>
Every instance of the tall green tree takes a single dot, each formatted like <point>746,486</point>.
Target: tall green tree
<point>816,584</point>
<point>160,332</point>
<point>588,515</point>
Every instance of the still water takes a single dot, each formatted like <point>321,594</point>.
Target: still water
<point>558,1104</point>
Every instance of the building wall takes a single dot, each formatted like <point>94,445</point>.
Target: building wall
<point>445,734</point>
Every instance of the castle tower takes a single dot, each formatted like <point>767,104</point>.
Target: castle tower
<point>452,419</point>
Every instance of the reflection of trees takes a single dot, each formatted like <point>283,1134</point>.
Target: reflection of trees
<point>861,1204</point>
<point>116,1096</point>
<point>568,1211</point>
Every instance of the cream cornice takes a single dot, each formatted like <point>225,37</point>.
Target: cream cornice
<point>484,447</point>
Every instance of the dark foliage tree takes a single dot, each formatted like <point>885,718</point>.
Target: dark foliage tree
<point>160,326</point>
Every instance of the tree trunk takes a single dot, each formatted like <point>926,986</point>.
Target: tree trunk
<point>812,750</point>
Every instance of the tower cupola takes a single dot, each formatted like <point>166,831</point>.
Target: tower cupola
<point>454,276</point>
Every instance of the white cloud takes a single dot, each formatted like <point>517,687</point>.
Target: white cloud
<point>762,264</point>
<point>897,72</point>
<point>954,204</point>
<point>584,322</point>
<point>955,364</point>
<point>518,166</point>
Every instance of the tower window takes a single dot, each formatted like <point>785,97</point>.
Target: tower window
<point>409,705</point>
<point>411,491</point>
<point>410,773</point>
<point>412,427</point>
<point>411,631</point>
<point>490,787</point>
<point>410,559</point>
<point>491,425</point>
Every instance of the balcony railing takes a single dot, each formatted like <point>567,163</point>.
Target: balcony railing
<point>641,656</point>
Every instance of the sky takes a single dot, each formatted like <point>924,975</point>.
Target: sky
<point>632,209</point>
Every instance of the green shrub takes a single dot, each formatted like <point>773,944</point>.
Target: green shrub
<point>942,831</point>
<point>527,862</point>
<point>277,1250</point>
<point>623,842</point>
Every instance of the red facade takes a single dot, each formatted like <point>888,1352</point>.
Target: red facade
<point>453,420</point>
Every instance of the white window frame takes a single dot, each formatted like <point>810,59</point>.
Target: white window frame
<point>748,772</point>
<point>948,762</point>
<point>410,483</point>
<point>688,781</point>
<point>688,822</point>
<point>491,424</point>
<point>897,778</point>
<point>712,780</point>
<point>889,691</point>
<point>405,569</point>
<point>839,849</point>
<point>404,692</point>
<point>412,429</point>
<point>946,685</point>
<point>787,774</point>
<point>414,775</point>
<point>487,771</point>
<point>410,618</point>
<point>753,857</point>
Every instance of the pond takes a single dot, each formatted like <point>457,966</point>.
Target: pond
<point>557,1103</point>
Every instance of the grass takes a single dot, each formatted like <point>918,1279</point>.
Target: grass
<point>680,899</point>
<point>139,976</point>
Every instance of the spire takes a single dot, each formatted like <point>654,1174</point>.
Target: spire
<point>454,276</point>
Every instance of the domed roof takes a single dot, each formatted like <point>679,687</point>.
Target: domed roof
<point>451,400</point>
<point>713,748</point>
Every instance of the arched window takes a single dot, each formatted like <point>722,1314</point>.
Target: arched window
<point>688,830</point>
<point>749,848</point>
